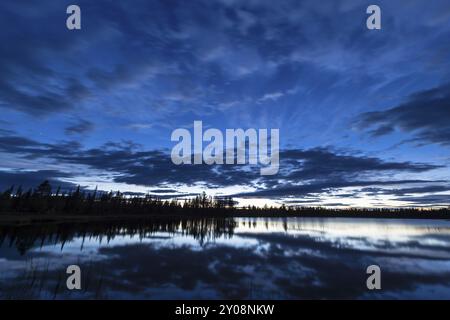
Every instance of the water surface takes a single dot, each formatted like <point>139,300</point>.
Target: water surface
<point>241,258</point>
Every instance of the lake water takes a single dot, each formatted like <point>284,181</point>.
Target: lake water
<point>241,258</point>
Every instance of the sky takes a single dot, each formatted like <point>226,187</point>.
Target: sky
<point>363,115</point>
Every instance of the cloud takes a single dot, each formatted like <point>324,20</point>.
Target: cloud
<point>303,172</point>
<point>30,81</point>
<point>425,115</point>
<point>31,179</point>
<point>155,66</point>
<point>41,102</point>
<point>163,191</point>
<point>274,96</point>
<point>412,190</point>
<point>438,199</point>
<point>323,163</point>
<point>81,127</point>
<point>290,190</point>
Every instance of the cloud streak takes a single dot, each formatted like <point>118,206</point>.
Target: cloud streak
<point>425,115</point>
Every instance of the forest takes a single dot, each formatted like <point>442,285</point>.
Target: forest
<point>43,201</point>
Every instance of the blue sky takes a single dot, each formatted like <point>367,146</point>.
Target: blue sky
<point>364,115</point>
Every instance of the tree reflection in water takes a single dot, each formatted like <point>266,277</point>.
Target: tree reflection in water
<point>25,237</point>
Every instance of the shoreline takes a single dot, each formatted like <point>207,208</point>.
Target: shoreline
<point>15,219</point>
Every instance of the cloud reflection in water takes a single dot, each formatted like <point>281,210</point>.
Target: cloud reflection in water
<point>244,258</point>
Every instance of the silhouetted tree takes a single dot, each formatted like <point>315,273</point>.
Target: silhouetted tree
<point>44,189</point>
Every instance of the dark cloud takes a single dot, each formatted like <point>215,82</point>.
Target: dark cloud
<point>381,131</point>
<point>425,114</point>
<point>438,199</point>
<point>324,163</point>
<point>31,149</point>
<point>5,132</point>
<point>31,179</point>
<point>82,126</point>
<point>191,48</point>
<point>28,82</point>
<point>302,172</point>
<point>163,190</point>
<point>290,190</point>
<point>406,191</point>
<point>40,103</point>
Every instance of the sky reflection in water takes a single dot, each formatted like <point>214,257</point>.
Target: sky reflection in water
<point>291,258</point>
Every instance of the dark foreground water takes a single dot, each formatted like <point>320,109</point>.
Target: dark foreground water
<point>291,258</point>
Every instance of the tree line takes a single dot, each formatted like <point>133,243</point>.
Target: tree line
<point>44,200</point>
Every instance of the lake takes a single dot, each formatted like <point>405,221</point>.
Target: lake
<point>240,258</point>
